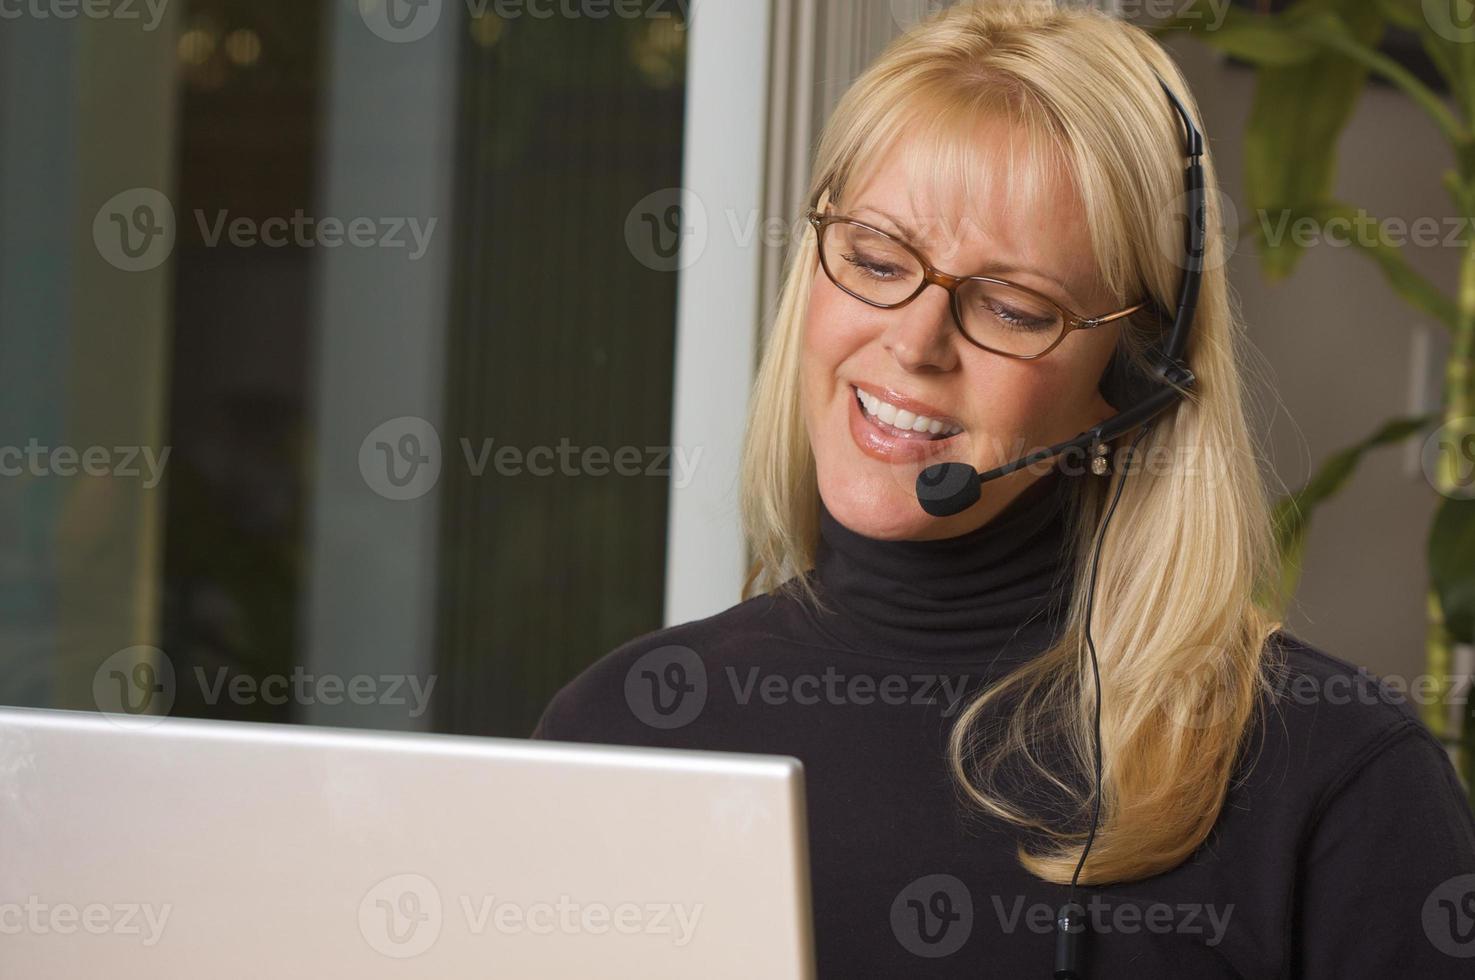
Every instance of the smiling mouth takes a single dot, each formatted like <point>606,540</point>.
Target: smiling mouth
<point>900,422</point>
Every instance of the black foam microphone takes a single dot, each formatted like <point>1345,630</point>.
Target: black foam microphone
<point>945,489</point>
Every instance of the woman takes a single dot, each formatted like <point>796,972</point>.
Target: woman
<point>1264,810</point>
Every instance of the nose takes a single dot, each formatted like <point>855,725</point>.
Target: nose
<point>922,336</point>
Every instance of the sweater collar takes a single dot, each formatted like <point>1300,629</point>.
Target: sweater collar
<point>997,593</point>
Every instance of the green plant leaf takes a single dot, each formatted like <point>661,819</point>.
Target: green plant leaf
<point>1452,566</point>
<point>1298,114</point>
<point>1407,14</point>
<point>1292,514</point>
<point>1442,26</point>
<point>1439,665</point>
<point>1332,33</point>
<point>1259,39</point>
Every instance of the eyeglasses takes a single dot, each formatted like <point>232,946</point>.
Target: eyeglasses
<point>1006,318</point>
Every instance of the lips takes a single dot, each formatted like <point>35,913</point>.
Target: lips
<point>916,432</point>
<point>905,414</point>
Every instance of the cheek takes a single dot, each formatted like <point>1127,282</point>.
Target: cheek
<point>833,332</point>
<point>1033,402</point>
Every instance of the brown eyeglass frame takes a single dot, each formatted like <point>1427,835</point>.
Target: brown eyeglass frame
<point>931,275</point>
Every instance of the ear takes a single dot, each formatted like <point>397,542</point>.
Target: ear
<point>1124,383</point>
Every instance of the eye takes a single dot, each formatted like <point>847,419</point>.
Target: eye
<point>1015,317</point>
<point>874,267</point>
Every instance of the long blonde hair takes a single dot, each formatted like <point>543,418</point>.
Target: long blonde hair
<point>1180,637</point>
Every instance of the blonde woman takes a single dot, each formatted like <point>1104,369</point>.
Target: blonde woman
<point>1261,809</point>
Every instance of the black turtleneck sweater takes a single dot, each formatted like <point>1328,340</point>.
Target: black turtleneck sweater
<point>1345,848</point>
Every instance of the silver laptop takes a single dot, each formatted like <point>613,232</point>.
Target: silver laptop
<point>145,847</point>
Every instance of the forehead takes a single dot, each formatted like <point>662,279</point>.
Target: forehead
<point>993,189</point>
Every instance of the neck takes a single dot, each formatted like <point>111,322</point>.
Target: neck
<point>996,593</point>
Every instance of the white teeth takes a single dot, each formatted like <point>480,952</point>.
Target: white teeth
<point>903,419</point>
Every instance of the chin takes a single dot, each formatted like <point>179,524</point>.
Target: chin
<point>874,505</point>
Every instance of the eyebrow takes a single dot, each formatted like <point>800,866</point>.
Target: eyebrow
<point>1004,271</point>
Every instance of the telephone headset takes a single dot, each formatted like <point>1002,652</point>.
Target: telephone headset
<point>945,489</point>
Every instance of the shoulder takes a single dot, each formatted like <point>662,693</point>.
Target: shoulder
<point>1330,702</point>
<point>1327,723</point>
<point>1383,824</point>
<point>635,692</point>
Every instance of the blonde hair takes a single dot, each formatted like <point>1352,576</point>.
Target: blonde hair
<point>1180,637</point>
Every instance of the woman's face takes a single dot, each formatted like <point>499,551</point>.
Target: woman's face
<point>916,359</point>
